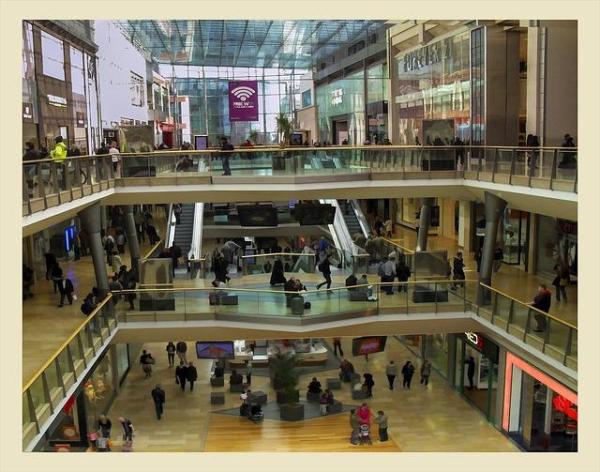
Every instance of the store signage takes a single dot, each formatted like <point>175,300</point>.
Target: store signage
<point>27,111</point>
<point>337,96</point>
<point>243,100</point>
<point>427,55</point>
<point>474,339</point>
<point>567,227</point>
<point>80,119</point>
<point>57,101</point>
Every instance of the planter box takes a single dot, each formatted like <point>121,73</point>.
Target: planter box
<point>313,397</point>
<point>292,412</point>
<point>217,381</point>
<point>282,398</point>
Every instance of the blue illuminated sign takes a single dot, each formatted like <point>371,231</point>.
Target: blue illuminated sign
<point>69,237</point>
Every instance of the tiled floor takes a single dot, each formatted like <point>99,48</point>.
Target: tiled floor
<point>45,325</point>
<point>421,419</point>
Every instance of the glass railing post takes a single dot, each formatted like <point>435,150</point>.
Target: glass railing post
<point>568,346</point>
<point>59,375</point>
<point>527,325</point>
<point>81,349</point>
<point>494,164</point>
<point>510,314</point>
<point>46,390</point>
<point>478,162</point>
<point>32,414</point>
<point>546,333</point>
<point>512,165</point>
<point>54,177</point>
<point>435,292</point>
<point>553,170</point>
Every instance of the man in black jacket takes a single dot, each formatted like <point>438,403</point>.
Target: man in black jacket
<point>325,268</point>
<point>192,375</point>
<point>181,349</point>
<point>65,287</point>
<point>158,395</point>
<point>181,375</point>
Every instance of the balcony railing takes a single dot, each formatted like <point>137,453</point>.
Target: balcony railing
<point>54,382</point>
<point>47,183</point>
<point>51,385</point>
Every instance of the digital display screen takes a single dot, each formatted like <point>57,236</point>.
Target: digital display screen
<point>368,345</point>
<point>200,142</point>
<point>257,215</point>
<point>214,349</point>
<point>314,213</point>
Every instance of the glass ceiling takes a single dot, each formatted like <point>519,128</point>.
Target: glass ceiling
<point>294,44</point>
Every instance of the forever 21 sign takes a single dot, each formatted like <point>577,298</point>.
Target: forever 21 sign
<point>427,55</point>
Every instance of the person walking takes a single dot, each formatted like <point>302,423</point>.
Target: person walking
<point>458,266</point>
<point>325,268</point>
<point>560,282</point>
<point>391,371</point>
<point>181,350</point>
<point>498,258</point>
<point>403,274</point>
<point>191,375</point>
<point>226,147</point>
<point>56,274</point>
<point>158,395</point>
<point>115,157</point>
<point>171,353</point>
<point>337,346</point>
<point>364,414</point>
<point>127,429</point>
<point>181,375</point>
<point>425,372</point>
<point>369,383</point>
<point>146,360</point>
<point>408,371</point>
<point>382,422</point>
<point>50,263</point>
<point>59,156</point>
<point>104,426</point>
<point>542,302</point>
<point>248,372</point>
<point>65,287</point>
<point>470,370</point>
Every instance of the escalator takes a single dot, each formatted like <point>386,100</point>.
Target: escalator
<point>187,234</point>
<point>184,231</point>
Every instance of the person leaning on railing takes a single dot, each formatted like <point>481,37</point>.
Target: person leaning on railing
<point>59,155</point>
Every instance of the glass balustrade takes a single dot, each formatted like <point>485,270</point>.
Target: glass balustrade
<point>43,394</point>
<point>47,184</point>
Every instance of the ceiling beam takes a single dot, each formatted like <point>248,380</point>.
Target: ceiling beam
<point>264,39</point>
<point>237,55</point>
<point>161,39</point>
<point>279,48</point>
<point>222,41</point>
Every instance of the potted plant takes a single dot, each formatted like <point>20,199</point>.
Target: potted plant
<point>284,129</point>
<point>284,375</point>
<point>253,136</point>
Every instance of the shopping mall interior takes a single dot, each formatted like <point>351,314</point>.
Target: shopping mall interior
<point>319,236</point>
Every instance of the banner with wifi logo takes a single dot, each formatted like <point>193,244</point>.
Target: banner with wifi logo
<point>243,100</point>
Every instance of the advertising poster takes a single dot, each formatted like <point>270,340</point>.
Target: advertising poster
<point>243,100</point>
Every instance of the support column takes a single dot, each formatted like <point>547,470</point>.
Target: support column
<point>465,226</point>
<point>424,222</point>
<point>103,219</point>
<point>494,208</point>
<point>90,220</point>
<point>134,246</point>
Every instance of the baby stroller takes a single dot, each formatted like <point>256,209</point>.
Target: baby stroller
<point>256,414</point>
<point>364,434</point>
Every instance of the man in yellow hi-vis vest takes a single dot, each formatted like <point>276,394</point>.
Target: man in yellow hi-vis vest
<point>59,153</point>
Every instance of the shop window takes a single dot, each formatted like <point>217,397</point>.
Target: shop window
<point>53,56</point>
<point>77,80</point>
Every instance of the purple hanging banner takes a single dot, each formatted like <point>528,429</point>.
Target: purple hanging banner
<point>243,100</point>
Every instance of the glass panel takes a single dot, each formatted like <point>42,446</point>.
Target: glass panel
<point>558,336</point>
<point>37,394</point>
<point>63,361</point>
<point>519,319</point>
<point>52,378</point>
<point>26,416</point>
<point>53,58</point>
<point>502,310</point>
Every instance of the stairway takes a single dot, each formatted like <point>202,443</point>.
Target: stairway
<point>184,230</point>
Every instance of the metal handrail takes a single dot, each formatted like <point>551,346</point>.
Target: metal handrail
<point>63,346</point>
<point>302,149</point>
<point>528,305</point>
<point>404,249</point>
<point>277,254</point>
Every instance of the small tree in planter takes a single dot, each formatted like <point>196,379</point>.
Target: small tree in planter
<point>284,374</point>
<point>253,136</point>
<point>284,129</point>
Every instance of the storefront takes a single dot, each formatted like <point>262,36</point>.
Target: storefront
<point>539,413</point>
<point>431,92</point>
<point>354,108</point>
<point>557,243</point>
<point>515,237</point>
<point>79,416</point>
<point>436,351</point>
<point>476,371</point>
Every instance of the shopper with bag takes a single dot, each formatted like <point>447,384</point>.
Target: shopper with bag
<point>146,360</point>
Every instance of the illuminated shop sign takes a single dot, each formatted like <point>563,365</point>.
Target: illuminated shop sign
<point>474,339</point>
<point>56,101</point>
<point>337,96</point>
<point>427,55</point>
